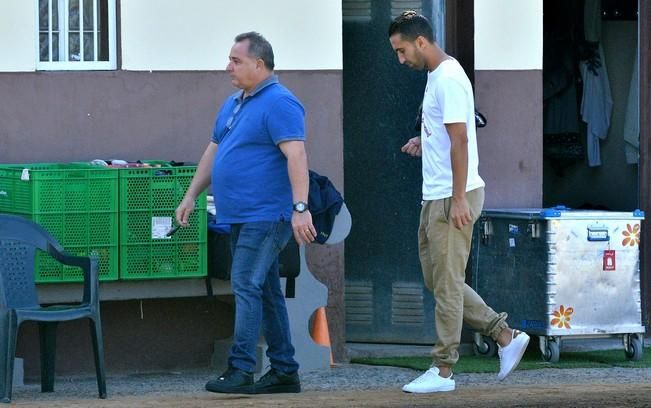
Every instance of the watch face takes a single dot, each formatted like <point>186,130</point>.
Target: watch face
<point>300,207</point>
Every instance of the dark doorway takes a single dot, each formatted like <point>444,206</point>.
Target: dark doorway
<point>578,172</point>
<point>385,297</point>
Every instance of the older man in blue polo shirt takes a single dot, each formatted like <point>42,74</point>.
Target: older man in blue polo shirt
<point>257,165</point>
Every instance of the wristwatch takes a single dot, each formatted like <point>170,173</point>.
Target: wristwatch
<point>300,207</point>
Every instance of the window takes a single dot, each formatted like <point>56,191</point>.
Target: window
<point>356,11</point>
<point>76,34</point>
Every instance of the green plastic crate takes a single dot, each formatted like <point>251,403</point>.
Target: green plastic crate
<point>50,271</point>
<point>56,188</point>
<point>76,203</point>
<point>148,200</point>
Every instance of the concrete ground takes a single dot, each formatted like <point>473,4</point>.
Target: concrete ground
<point>356,386</point>
<point>352,385</point>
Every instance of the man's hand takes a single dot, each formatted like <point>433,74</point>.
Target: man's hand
<point>460,212</point>
<point>304,231</point>
<point>184,210</point>
<point>412,147</point>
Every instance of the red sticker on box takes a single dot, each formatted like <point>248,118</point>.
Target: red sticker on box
<point>609,260</point>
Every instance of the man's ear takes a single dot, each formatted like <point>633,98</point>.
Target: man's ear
<point>259,63</point>
<point>420,42</point>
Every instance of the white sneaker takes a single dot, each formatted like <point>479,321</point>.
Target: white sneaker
<point>431,381</point>
<point>511,355</point>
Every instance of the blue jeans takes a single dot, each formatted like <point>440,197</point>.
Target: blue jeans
<point>259,300</point>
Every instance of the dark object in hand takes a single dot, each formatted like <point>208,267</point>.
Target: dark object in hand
<point>172,231</point>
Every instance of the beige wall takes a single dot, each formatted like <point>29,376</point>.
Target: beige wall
<point>198,34</point>
<point>169,35</point>
<point>508,34</point>
<point>18,26</point>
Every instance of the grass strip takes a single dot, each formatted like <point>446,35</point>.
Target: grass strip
<point>532,360</point>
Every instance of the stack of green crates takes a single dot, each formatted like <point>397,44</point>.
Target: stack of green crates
<point>149,197</point>
<point>77,203</point>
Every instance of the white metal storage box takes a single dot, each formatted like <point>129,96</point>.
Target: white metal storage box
<point>560,272</point>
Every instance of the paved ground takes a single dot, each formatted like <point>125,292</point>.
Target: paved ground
<point>352,385</point>
<point>358,386</point>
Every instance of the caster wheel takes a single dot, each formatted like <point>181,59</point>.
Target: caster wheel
<point>552,352</point>
<point>488,347</point>
<point>634,349</point>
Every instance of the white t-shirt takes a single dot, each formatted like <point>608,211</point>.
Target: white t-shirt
<point>448,99</point>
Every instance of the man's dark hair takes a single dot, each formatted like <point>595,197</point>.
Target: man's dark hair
<point>412,25</point>
<point>259,47</point>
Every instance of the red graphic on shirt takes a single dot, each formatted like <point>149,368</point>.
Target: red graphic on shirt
<point>428,133</point>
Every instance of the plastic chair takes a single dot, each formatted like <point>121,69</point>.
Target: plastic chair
<point>19,241</point>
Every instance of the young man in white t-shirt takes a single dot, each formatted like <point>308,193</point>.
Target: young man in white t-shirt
<point>453,196</point>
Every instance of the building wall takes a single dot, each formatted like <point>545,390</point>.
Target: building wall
<point>299,42</point>
<point>161,104</point>
<point>18,35</point>
<point>139,336</point>
<point>508,35</point>
<point>508,88</point>
<point>510,146</point>
<point>162,35</point>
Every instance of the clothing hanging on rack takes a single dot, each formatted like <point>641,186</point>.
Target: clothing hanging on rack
<point>596,107</point>
<point>597,101</point>
<point>632,118</point>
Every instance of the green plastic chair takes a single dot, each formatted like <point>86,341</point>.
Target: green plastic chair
<point>19,240</point>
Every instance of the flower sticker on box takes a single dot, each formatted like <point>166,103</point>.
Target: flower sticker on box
<point>631,235</point>
<point>561,317</point>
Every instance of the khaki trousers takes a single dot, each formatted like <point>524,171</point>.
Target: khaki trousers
<point>443,252</point>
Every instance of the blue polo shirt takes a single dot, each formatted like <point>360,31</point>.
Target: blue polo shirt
<point>250,181</point>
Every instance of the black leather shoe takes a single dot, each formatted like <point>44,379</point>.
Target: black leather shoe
<point>278,382</point>
<point>233,381</point>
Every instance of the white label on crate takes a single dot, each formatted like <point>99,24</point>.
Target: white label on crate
<point>24,176</point>
<point>512,242</point>
<point>160,226</point>
<point>3,193</point>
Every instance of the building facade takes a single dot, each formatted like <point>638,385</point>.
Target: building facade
<point>142,80</point>
<point>127,79</point>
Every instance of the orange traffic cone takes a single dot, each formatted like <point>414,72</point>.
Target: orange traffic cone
<point>320,332</point>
